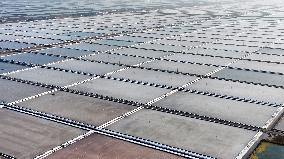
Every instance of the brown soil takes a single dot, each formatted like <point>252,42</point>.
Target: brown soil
<point>102,147</point>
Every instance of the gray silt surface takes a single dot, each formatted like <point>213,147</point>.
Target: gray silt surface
<point>261,93</point>
<point>48,76</point>
<point>89,67</point>
<point>77,107</point>
<point>219,108</point>
<point>12,91</point>
<point>119,89</point>
<point>196,135</point>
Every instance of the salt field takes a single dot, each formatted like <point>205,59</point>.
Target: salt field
<point>141,79</point>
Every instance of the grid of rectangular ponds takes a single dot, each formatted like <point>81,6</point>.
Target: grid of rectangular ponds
<point>164,83</point>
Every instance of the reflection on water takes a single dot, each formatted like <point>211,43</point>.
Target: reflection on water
<point>38,9</point>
